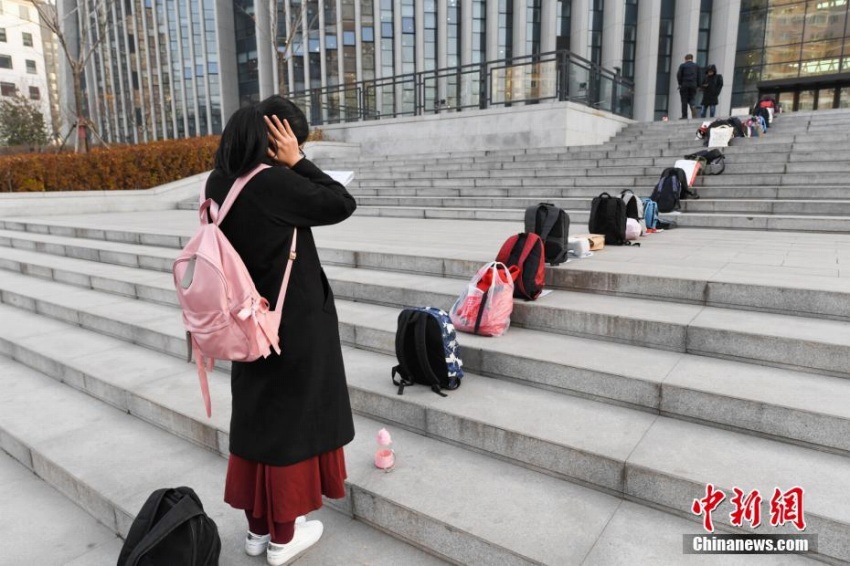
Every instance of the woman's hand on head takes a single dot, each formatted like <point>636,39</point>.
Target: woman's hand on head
<point>283,143</point>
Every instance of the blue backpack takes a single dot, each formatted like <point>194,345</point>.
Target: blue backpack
<point>427,350</point>
<point>650,212</point>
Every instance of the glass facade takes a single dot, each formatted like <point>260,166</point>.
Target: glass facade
<point>479,31</point>
<point>704,37</point>
<point>594,35</point>
<point>630,25</point>
<point>506,29</point>
<point>564,22</point>
<point>782,42</point>
<point>665,58</point>
<point>532,27</point>
<point>155,74</point>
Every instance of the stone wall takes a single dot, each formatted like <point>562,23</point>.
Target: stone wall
<point>540,125</point>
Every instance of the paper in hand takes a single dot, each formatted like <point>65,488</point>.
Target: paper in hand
<point>341,177</point>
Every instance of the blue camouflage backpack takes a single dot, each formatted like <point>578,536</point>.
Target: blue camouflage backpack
<point>650,212</point>
<point>427,350</point>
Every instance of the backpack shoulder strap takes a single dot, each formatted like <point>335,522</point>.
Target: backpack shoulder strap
<point>235,191</point>
<point>419,338</point>
<point>551,218</point>
<point>185,509</point>
<point>405,378</point>
<point>275,315</point>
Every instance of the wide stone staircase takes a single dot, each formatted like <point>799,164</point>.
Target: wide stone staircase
<point>582,436</point>
<point>793,178</point>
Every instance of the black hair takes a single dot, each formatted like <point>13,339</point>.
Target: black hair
<point>711,69</point>
<point>244,142</point>
<point>285,109</point>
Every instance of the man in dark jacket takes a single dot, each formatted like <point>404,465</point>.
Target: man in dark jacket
<point>688,79</point>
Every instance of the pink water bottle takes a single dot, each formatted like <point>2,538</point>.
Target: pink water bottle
<point>384,457</point>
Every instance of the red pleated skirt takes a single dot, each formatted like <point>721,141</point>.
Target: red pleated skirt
<point>283,493</point>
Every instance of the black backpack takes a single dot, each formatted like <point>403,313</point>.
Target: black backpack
<point>608,217</point>
<point>171,528</point>
<point>427,350</point>
<point>552,224</point>
<point>668,190</point>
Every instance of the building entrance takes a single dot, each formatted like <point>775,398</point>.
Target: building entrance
<point>810,93</point>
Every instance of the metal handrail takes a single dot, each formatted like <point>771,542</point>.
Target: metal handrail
<point>530,79</point>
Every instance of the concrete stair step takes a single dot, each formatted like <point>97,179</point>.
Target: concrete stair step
<point>134,458</point>
<point>821,207</point>
<point>73,538</point>
<point>746,221</point>
<point>827,154</point>
<point>142,329</point>
<point>787,222</point>
<point>766,338</point>
<point>384,500</point>
<point>761,206</point>
<point>678,384</point>
<point>787,294</point>
<point>801,343</point>
<point>803,261</point>
<point>544,170</point>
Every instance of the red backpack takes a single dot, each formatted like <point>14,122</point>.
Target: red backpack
<point>527,252</point>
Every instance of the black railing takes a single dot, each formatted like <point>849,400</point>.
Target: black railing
<point>558,75</point>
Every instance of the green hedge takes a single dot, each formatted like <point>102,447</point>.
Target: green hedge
<point>119,168</point>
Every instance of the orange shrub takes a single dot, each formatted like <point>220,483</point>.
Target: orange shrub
<point>119,168</point>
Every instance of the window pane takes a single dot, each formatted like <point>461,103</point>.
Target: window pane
<point>785,24</point>
<point>5,62</point>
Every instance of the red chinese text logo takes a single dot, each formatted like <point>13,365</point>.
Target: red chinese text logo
<point>707,504</point>
<point>785,507</point>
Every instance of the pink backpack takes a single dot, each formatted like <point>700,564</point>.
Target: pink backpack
<point>225,316</point>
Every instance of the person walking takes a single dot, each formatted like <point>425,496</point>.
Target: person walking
<point>711,86</point>
<point>291,413</point>
<point>688,78</point>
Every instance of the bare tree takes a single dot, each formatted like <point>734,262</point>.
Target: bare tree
<point>89,20</point>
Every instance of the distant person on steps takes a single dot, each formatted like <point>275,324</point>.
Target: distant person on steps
<point>688,78</point>
<point>711,86</point>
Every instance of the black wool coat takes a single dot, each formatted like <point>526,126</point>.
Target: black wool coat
<point>291,407</point>
<point>711,88</point>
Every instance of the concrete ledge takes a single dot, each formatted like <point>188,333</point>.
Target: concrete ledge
<point>541,125</point>
<point>163,197</point>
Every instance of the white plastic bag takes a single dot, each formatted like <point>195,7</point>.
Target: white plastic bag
<point>719,136</point>
<point>485,306</point>
<point>632,229</point>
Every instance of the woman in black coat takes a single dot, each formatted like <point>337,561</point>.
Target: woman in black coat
<point>291,413</point>
<point>711,87</point>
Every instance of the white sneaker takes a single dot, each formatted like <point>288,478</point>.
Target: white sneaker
<point>307,534</point>
<point>255,545</point>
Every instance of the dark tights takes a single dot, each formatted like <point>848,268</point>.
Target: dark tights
<point>282,533</point>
